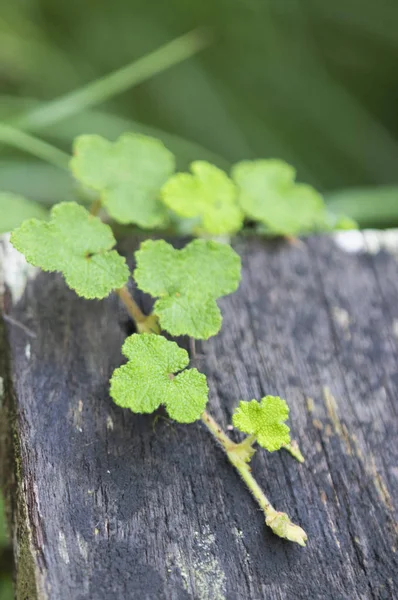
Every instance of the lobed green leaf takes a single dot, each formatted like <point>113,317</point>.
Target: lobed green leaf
<point>15,209</point>
<point>265,420</point>
<point>187,283</point>
<point>128,175</point>
<point>148,380</point>
<point>268,194</point>
<point>76,244</point>
<point>208,194</point>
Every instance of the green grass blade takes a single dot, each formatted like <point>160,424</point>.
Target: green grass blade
<point>110,85</point>
<point>37,180</point>
<point>32,145</point>
<point>368,206</point>
<point>111,126</point>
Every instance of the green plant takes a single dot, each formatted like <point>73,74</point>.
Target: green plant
<point>187,283</point>
<point>132,182</point>
<point>127,175</point>
<point>213,199</point>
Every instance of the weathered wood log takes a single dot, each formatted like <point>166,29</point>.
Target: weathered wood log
<point>106,504</point>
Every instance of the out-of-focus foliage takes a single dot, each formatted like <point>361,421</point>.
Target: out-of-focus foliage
<point>15,209</point>
<point>207,195</point>
<point>128,175</point>
<point>369,207</point>
<point>312,83</point>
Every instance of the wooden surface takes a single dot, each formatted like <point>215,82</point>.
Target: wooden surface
<point>111,505</point>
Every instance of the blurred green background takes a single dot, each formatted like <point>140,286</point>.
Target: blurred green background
<point>311,81</point>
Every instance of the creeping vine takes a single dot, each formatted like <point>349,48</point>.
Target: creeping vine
<point>132,182</point>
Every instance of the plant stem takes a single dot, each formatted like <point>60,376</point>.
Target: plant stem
<point>115,83</point>
<point>132,307</point>
<point>241,466</point>
<point>278,521</point>
<point>143,323</point>
<point>250,439</point>
<point>95,208</point>
<point>217,432</point>
<point>32,145</point>
<point>295,451</point>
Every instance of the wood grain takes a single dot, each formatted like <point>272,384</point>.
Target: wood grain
<point>110,505</point>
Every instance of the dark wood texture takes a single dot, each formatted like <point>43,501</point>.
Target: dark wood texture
<point>108,505</point>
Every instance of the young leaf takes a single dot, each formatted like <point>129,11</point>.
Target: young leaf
<point>187,282</point>
<point>264,420</point>
<point>15,209</point>
<point>269,194</point>
<point>128,175</point>
<point>77,245</point>
<point>208,194</point>
<point>148,380</point>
